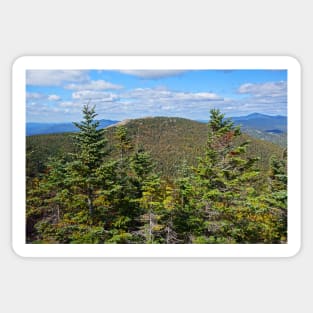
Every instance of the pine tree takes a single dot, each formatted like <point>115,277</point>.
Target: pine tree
<point>268,211</point>
<point>188,218</point>
<point>124,144</point>
<point>274,202</point>
<point>90,144</point>
<point>125,189</point>
<point>47,201</point>
<point>278,180</point>
<point>35,208</point>
<point>142,166</point>
<point>92,197</point>
<point>70,189</point>
<point>169,211</point>
<point>151,204</point>
<point>223,182</point>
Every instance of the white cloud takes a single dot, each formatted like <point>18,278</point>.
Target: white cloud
<point>94,95</point>
<point>40,96</point>
<point>197,96</point>
<point>93,85</point>
<point>141,102</point>
<point>159,101</point>
<point>54,77</point>
<point>70,104</point>
<point>268,98</point>
<point>162,95</point>
<point>54,98</point>
<point>153,74</point>
<point>34,95</point>
<point>273,89</point>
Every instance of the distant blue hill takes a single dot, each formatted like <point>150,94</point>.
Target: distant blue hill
<point>252,116</point>
<point>53,128</point>
<point>264,127</point>
<point>266,123</point>
<point>261,122</point>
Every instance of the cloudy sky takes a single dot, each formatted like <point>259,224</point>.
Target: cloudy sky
<point>58,95</point>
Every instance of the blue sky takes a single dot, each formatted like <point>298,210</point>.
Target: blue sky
<point>58,95</point>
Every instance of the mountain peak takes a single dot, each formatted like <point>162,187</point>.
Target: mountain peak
<point>254,115</point>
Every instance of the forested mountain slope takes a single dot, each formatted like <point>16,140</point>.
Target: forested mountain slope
<point>155,180</point>
<point>170,141</point>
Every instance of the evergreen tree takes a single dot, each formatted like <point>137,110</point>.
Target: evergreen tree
<point>268,210</point>
<point>124,144</point>
<point>223,182</point>
<point>123,209</point>
<point>274,202</point>
<point>188,217</point>
<point>128,174</point>
<point>142,166</point>
<point>35,208</point>
<point>151,203</point>
<point>48,199</point>
<point>70,189</point>
<point>90,196</point>
<point>90,144</point>
<point>170,210</point>
<point>278,181</point>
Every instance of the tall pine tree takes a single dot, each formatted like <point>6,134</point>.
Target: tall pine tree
<point>223,182</point>
<point>90,144</point>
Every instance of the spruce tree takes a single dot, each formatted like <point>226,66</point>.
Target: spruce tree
<point>273,203</point>
<point>278,181</point>
<point>49,199</point>
<point>90,145</point>
<point>151,204</point>
<point>69,188</point>
<point>122,208</point>
<point>223,182</point>
<point>36,209</point>
<point>169,211</point>
<point>188,217</point>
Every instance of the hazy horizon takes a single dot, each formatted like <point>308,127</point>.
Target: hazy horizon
<point>142,117</point>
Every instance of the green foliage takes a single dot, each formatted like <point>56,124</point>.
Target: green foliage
<point>169,141</point>
<point>155,180</point>
<point>90,143</point>
<point>41,148</point>
<point>223,180</point>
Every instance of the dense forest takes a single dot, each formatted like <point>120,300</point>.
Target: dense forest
<point>155,180</point>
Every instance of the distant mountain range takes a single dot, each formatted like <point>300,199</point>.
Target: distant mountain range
<point>265,127</point>
<point>272,124</point>
<point>261,126</point>
<point>54,128</point>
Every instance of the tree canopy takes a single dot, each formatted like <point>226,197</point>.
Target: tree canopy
<point>110,191</point>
